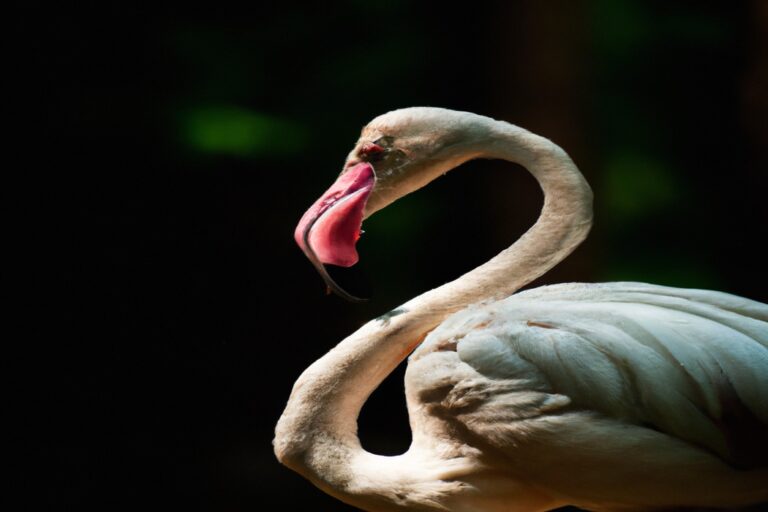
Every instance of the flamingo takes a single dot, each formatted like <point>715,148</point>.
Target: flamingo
<point>607,396</point>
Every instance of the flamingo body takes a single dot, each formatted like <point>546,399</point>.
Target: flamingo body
<point>613,396</point>
<point>563,385</point>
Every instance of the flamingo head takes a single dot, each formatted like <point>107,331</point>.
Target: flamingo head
<point>396,154</point>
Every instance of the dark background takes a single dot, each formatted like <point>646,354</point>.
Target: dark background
<point>167,153</point>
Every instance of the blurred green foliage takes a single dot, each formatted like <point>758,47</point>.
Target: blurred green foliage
<point>234,131</point>
<point>637,185</point>
<point>654,97</point>
<point>624,26</point>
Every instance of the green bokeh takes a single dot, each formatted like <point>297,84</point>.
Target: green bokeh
<point>228,130</point>
<point>636,186</point>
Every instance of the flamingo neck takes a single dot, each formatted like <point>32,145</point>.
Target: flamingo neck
<point>317,433</point>
<point>563,223</point>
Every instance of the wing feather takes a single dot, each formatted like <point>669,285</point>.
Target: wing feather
<point>691,364</point>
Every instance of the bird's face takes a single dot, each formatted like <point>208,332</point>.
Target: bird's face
<point>408,148</point>
<point>396,154</point>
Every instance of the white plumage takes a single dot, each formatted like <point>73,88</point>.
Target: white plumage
<point>569,381</point>
<point>614,396</point>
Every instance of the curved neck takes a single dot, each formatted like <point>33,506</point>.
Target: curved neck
<point>317,433</point>
<point>564,222</point>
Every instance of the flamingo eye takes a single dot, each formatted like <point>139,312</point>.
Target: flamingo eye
<point>372,151</point>
<point>376,150</point>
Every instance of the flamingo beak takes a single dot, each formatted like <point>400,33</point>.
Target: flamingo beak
<point>330,228</point>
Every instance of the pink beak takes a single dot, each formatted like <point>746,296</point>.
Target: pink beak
<point>330,228</point>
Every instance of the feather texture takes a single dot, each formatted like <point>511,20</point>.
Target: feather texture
<point>678,378</point>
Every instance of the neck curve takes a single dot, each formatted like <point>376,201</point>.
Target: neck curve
<point>317,433</point>
<point>563,224</point>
